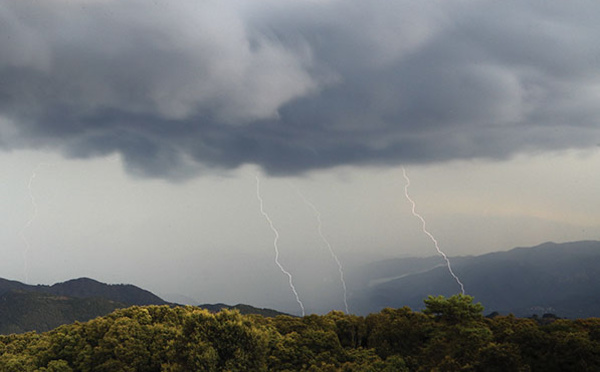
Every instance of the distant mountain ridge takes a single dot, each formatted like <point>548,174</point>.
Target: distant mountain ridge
<point>563,279</point>
<point>125,293</point>
<point>86,288</point>
<point>41,308</point>
<point>243,309</point>
<point>549,278</point>
<point>22,311</point>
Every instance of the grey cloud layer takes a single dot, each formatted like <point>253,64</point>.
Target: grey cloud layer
<point>180,87</point>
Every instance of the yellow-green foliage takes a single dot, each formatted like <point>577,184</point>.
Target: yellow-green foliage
<point>450,335</point>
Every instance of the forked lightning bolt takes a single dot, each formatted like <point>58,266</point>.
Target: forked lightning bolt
<point>329,247</point>
<point>424,226</point>
<point>275,241</point>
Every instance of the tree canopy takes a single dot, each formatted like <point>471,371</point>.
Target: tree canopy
<point>451,334</point>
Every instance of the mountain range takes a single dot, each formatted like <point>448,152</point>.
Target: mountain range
<point>41,308</point>
<point>563,279</point>
<point>26,307</point>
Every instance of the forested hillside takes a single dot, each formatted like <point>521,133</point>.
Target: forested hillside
<point>88,288</point>
<point>40,308</point>
<point>22,311</point>
<point>450,334</point>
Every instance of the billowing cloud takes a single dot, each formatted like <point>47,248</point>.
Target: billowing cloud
<point>177,87</point>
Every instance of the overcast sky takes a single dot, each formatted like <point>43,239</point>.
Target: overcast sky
<point>132,132</point>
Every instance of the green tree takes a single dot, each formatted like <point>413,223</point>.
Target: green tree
<point>459,335</point>
<point>350,329</point>
<point>398,332</point>
<point>501,358</point>
<point>453,310</point>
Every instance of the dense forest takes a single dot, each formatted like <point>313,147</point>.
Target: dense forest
<point>450,334</point>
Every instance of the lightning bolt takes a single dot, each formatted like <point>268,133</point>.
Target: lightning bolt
<point>276,239</point>
<point>329,247</point>
<point>424,227</point>
<point>29,222</point>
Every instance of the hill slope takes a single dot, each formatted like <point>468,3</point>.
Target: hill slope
<point>243,309</point>
<point>549,278</point>
<point>41,308</point>
<point>28,311</point>
<point>451,335</point>
<point>85,288</point>
<point>124,293</point>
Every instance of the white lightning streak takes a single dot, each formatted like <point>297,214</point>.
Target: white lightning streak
<point>329,247</point>
<point>435,242</point>
<point>28,224</point>
<point>276,233</point>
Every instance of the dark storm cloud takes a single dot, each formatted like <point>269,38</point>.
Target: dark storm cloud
<point>177,88</point>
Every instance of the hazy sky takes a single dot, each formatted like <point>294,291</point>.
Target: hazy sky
<point>132,132</point>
